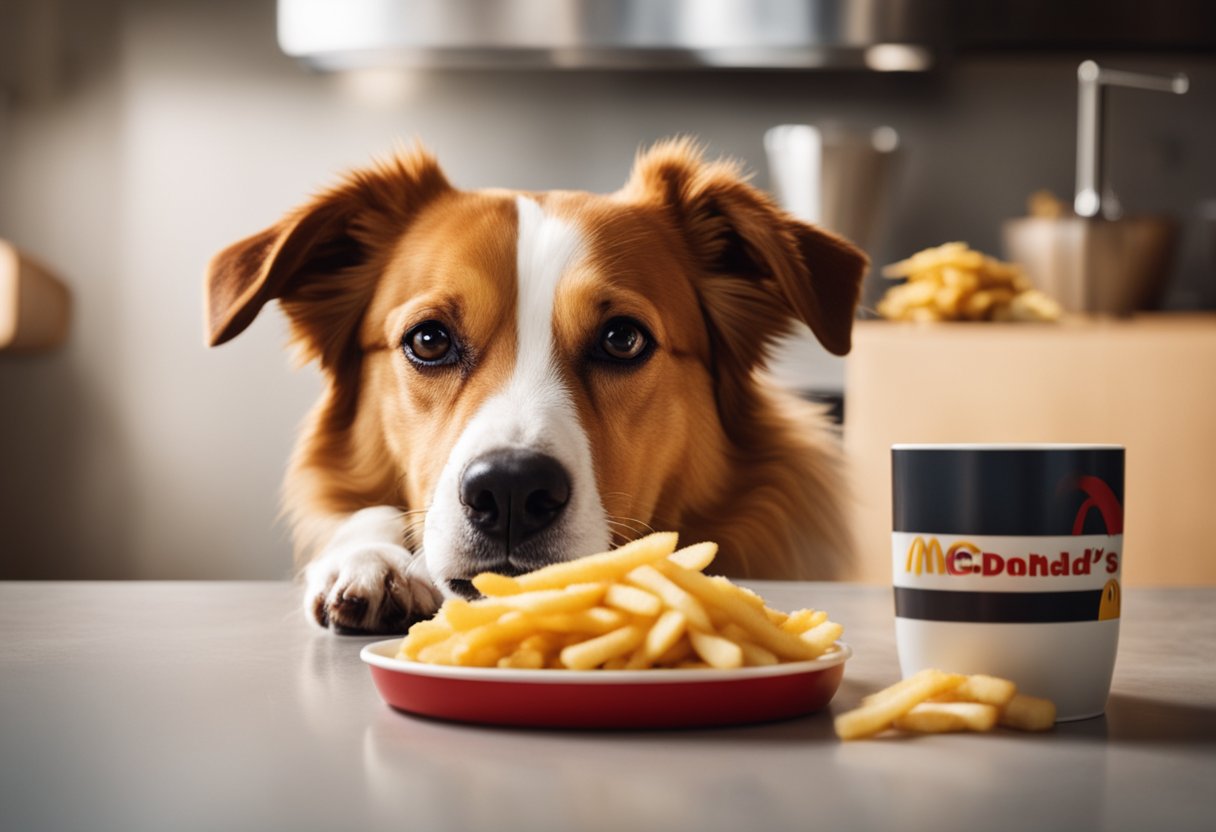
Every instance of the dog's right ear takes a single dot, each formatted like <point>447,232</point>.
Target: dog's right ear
<point>318,260</point>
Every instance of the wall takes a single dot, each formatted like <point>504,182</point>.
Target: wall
<point>168,130</point>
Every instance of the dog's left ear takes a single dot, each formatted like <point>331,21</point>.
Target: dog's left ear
<point>320,259</point>
<point>760,267</point>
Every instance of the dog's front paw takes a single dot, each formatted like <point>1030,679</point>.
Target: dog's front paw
<point>369,588</point>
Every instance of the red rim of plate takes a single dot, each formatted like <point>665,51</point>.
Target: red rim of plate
<point>603,699</point>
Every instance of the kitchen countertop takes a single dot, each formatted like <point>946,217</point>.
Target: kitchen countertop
<point>183,706</point>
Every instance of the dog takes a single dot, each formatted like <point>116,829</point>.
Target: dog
<point>518,378</point>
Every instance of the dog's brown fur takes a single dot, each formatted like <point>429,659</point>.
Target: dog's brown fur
<point>697,442</point>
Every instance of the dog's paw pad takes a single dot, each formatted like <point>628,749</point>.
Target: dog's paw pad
<point>348,608</point>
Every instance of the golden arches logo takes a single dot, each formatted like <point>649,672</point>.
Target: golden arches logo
<point>928,557</point>
<point>924,557</point>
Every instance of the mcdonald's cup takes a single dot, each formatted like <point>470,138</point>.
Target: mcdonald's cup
<point>1007,561</point>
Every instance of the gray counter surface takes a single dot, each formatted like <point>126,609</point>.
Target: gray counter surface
<point>215,706</point>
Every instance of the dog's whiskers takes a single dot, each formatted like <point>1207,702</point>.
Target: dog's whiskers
<point>414,526</point>
<point>627,529</point>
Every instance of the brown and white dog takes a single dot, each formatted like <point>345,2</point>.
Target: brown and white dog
<point>520,378</point>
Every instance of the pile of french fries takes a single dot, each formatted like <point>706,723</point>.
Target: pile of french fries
<point>955,283</point>
<point>643,605</point>
<point>933,702</point>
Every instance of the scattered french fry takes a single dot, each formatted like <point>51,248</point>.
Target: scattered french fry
<point>932,702</point>
<point>988,690</point>
<point>1029,713</point>
<point>881,713</point>
<point>944,717</point>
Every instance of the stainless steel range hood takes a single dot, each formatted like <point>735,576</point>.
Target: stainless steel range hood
<point>593,34</point>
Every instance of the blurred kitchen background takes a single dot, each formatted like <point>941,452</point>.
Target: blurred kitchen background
<point>138,138</point>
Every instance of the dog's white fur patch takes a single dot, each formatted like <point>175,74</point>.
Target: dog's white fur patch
<point>533,410</point>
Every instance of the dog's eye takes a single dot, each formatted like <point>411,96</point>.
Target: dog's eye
<point>623,339</point>
<point>429,343</point>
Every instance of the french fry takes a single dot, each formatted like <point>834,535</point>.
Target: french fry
<point>543,643</point>
<point>756,656</point>
<point>639,660</point>
<point>733,632</point>
<point>799,621</point>
<point>606,566</point>
<point>890,691</point>
<point>716,651</point>
<point>596,620</point>
<point>464,615</point>
<point>493,585</point>
<point>594,652</point>
<point>742,592</point>
<point>513,625</point>
<point>664,633</point>
<point>633,600</point>
<point>753,654</point>
<point>881,712</point>
<point>822,636</point>
<point>424,634</point>
<point>675,654</point>
<point>987,690</point>
<point>775,616</point>
<point>461,615</point>
<point>579,596</point>
<point>717,617</point>
<point>971,703</point>
<point>1028,713</point>
<point>672,595</point>
<point>696,557</point>
<point>945,717</point>
<point>762,631</point>
<point>523,658</point>
<point>439,652</point>
<point>488,655</point>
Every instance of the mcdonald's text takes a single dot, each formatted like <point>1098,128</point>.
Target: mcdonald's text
<point>964,558</point>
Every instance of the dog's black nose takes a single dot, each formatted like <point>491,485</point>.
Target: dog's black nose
<point>512,494</point>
